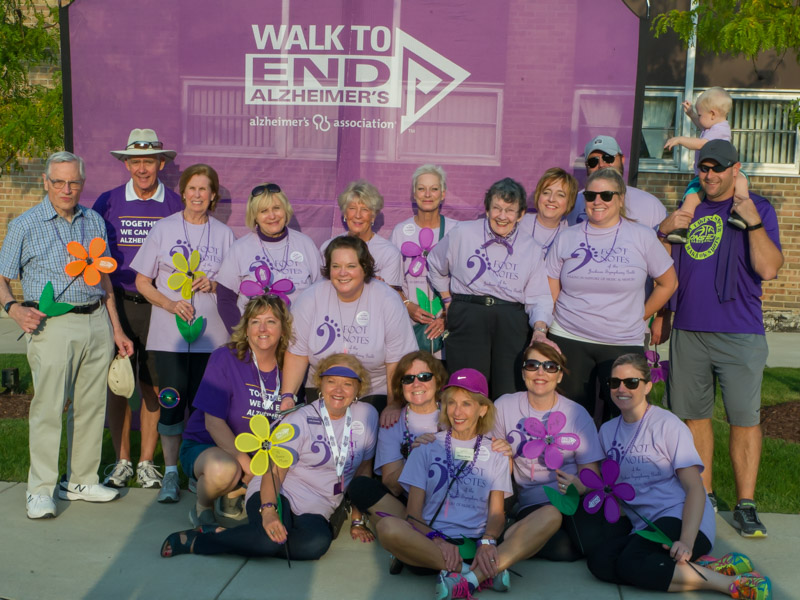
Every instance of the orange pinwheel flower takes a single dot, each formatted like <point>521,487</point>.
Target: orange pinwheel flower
<point>91,263</point>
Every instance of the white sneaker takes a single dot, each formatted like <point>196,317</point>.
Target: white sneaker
<point>89,493</point>
<point>120,474</point>
<point>147,475</point>
<point>40,507</point>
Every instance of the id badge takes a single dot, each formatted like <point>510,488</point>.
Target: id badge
<point>463,453</point>
<point>338,488</point>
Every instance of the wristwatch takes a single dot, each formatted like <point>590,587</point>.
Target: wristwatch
<point>485,542</point>
<point>749,228</point>
<point>9,305</point>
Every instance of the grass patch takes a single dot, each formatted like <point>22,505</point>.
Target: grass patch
<point>20,361</point>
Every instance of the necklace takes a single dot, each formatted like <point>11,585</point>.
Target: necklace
<point>408,439</point>
<point>267,401</point>
<point>549,243</point>
<point>274,264</point>
<point>452,473</point>
<point>594,252</point>
<point>206,228</point>
<point>633,439</point>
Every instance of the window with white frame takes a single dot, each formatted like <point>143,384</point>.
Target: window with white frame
<point>760,126</point>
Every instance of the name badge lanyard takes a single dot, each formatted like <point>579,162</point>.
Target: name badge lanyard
<point>267,400</point>
<point>339,451</point>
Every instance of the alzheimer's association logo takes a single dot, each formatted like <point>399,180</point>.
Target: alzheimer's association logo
<point>308,65</point>
<point>705,235</point>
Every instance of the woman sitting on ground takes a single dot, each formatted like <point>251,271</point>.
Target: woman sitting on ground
<point>656,455</point>
<point>241,380</point>
<point>312,488</point>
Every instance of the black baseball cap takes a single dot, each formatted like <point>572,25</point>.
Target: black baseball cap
<point>721,151</point>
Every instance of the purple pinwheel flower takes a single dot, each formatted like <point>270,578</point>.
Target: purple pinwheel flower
<point>264,285</point>
<point>549,440</point>
<point>419,253</point>
<point>605,491</point>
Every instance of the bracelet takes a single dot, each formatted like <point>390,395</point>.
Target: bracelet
<point>540,329</point>
<point>267,505</point>
<point>432,535</point>
<point>406,301</point>
<point>487,542</point>
<point>447,300</point>
<point>660,234</point>
<point>285,395</point>
<point>748,228</point>
<point>357,523</point>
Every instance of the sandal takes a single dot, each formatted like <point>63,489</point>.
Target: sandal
<point>173,546</point>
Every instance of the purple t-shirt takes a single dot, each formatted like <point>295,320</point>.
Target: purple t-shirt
<point>543,235</point>
<point>375,328</point>
<point>532,475</point>
<point>390,440</point>
<point>230,390</point>
<point>466,508</point>
<point>663,446</point>
<point>128,222</point>
<point>154,260</point>
<point>295,257</point>
<point>388,260</point>
<point>698,306</point>
<point>466,261</point>
<point>408,231</point>
<point>602,274</point>
<point>718,131</point>
<point>309,483</point>
<point>640,206</point>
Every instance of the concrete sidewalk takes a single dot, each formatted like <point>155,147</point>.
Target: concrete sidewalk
<point>112,551</point>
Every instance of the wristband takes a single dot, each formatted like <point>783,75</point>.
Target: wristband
<point>661,235</point>
<point>748,228</point>
<point>406,301</point>
<point>447,300</point>
<point>9,305</point>
<point>486,542</point>
<point>540,329</point>
<point>267,505</point>
<point>285,395</point>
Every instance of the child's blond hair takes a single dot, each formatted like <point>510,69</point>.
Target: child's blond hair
<point>715,98</point>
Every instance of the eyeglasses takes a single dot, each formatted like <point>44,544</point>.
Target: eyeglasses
<point>630,382</point>
<point>593,161</point>
<point>271,188</point>
<point>605,196</point>
<point>60,183</point>
<point>423,377</point>
<point>549,366</point>
<point>715,168</point>
<point>145,146</point>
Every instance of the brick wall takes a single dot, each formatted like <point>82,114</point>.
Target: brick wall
<point>782,295</point>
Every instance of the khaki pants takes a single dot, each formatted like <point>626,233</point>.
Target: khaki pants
<point>69,357</point>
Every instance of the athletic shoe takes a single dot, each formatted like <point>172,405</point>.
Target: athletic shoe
<point>230,507</point>
<point>205,517</point>
<point>737,221</point>
<point>452,585</point>
<point>147,475</point>
<point>170,490</point>
<point>88,493</point>
<point>40,506</point>
<point>746,519</point>
<point>732,563</point>
<point>678,236</point>
<point>192,484</point>
<point>750,587</point>
<point>501,583</point>
<point>120,474</point>
<point>712,497</point>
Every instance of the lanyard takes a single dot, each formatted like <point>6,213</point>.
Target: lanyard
<point>265,402</point>
<point>339,451</point>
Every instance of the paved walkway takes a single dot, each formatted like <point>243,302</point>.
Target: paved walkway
<point>112,551</point>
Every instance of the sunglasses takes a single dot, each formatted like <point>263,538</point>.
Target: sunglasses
<point>423,377</point>
<point>630,382</point>
<point>145,146</point>
<point>715,168</point>
<point>271,188</point>
<point>605,196</point>
<point>593,161</point>
<point>549,366</point>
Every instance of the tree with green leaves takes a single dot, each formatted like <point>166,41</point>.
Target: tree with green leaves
<point>31,114</point>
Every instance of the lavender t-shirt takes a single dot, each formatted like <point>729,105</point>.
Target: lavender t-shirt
<point>375,328</point>
<point>543,235</point>
<point>602,274</point>
<point>309,483</point>
<point>390,440</point>
<point>154,260</point>
<point>466,261</point>
<point>640,206</point>
<point>466,508</point>
<point>718,131</point>
<point>388,261</point>
<point>230,390</point>
<point>531,475</point>
<point>698,307</point>
<point>664,445</point>
<point>408,231</point>
<point>295,257</point>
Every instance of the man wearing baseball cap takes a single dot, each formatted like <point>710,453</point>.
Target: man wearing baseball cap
<point>130,211</point>
<point>718,330</point>
<point>603,152</point>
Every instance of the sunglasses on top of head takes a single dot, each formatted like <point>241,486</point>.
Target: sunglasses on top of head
<point>605,195</point>
<point>716,168</point>
<point>270,188</point>
<point>423,377</point>
<point>630,382</point>
<point>593,161</point>
<point>533,365</point>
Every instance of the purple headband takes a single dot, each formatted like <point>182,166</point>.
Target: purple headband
<point>341,372</point>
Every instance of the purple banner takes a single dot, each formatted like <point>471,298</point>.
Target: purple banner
<point>311,95</point>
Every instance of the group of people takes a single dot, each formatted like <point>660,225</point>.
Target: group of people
<point>540,316</point>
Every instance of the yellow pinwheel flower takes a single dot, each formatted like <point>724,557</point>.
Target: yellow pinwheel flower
<point>267,445</point>
<point>187,273</point>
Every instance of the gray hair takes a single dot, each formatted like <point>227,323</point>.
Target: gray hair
<point>65,157</point>
<point>432,170</point>
<point>361,191</point>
